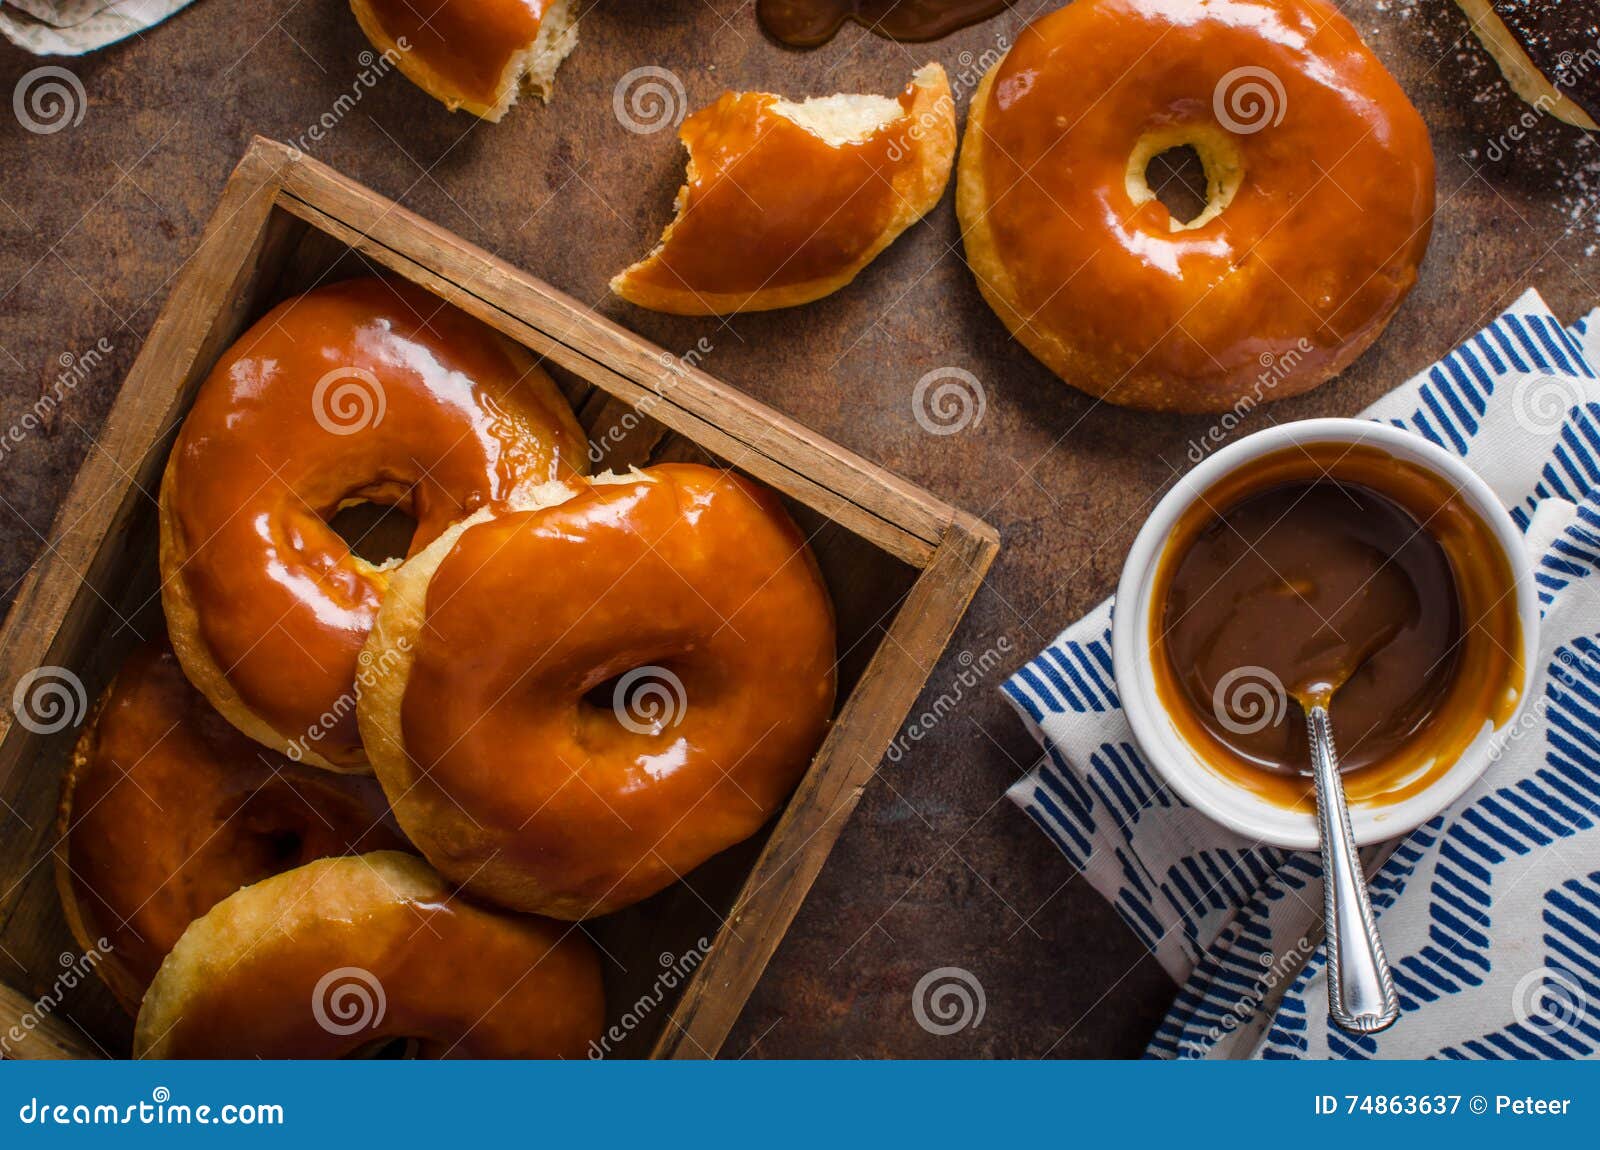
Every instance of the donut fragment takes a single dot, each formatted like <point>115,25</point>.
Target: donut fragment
<point>787,201</point>
<point>473,54</point>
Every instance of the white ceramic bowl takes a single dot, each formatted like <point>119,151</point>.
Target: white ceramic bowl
<point>1208,789</point>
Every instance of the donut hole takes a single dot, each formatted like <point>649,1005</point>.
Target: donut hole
<point>387,1049</point>
<point>265,850</point>
<point>378,533</point>
<point>285,847</point>
<point>600,695</point>
<point>1191,170</point>
<point>1178,179</point>
<point>645,699</point>
<point>263,823</point>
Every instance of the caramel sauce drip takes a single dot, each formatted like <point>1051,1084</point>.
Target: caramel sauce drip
<point>809,23</point>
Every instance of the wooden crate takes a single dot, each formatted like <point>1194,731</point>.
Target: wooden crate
<point>901,565</point>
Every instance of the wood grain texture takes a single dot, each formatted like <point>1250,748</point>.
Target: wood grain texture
<point>28,1032</point>
<point>62,602</point>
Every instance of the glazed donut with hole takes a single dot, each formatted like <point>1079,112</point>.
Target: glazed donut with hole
<point>344,956</point>
<point>572,741</point>
<point>167,809</point>
<point>1320,198</point>
<point>371,390</point>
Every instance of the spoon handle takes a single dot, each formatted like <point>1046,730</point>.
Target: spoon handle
<point>1361,994</point>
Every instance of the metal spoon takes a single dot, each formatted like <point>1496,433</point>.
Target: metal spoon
<point>1361,994</point>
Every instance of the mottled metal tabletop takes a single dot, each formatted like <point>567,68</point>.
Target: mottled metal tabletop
<point>936,868</point>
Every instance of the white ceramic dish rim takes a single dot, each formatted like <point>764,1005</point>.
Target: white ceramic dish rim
<point>1211,792</point>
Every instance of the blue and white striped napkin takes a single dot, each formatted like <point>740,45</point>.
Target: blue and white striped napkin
<point>1490,912</point>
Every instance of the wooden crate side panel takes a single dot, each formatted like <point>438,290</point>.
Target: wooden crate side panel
<point>42,1035</point>
<point>64,602</point>
<point>893,513</point>
<point>816,814</point>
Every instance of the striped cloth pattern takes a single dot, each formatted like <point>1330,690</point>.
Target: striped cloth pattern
<point>1491,912</point>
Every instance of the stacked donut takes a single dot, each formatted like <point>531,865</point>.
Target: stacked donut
<point>571,691</point>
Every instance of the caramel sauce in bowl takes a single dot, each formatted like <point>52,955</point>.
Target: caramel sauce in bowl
<point>1329,552</point>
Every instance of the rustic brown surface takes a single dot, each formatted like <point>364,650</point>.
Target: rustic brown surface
<point>935,869</point>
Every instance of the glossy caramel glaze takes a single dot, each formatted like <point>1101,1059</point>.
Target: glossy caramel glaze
<point>343,955</point>
<point>808,23</point>
<point>1328,165</point>
<point>1453,662</point>
<point>531,773</point>
<point>366,390</point>
<point>468,47</point>
<point>769,203</point>
<point>168,809</point>
<point>1303,591</point>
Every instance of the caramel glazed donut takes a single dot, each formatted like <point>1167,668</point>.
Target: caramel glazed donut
<point>1320,197</point>
<point>369,390</point>
<point>646,701</point>
<point>342,956</point>
<point>167,809</point>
